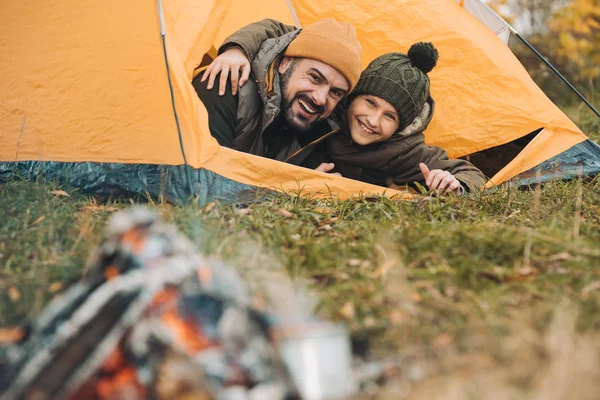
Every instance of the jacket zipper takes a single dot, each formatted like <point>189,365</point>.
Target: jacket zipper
<point>300,150</point>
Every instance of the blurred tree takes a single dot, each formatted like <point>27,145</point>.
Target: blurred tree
<point>576,32</point>
<point>567,32</point>
<point>528,16</point>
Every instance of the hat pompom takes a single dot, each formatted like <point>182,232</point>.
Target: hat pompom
<point>423,55</point>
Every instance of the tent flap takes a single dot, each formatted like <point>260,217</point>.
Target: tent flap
<point>581,160</point>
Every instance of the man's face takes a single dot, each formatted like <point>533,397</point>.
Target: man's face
<point>311,90</point>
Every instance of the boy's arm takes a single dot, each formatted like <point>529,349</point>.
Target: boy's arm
<point>470,177</point>
<point>404,167</point>
<point>250,37</point>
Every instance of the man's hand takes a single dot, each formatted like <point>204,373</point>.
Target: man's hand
<point>326,167</point>
<point>231,60</point>
<point>442,181</point>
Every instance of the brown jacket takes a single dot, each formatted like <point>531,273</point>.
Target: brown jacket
<point>394,162</point>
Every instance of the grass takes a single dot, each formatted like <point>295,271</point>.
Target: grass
<point>469,294</point>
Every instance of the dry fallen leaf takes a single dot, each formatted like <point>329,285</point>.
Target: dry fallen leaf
<point>442,340</point>
<point>381,271</point>
<point>55,287</point>
<point>342,276</point>
<point>244,211</point>
<point>587,289</point>
<point>348,310</point>
<point>513,214</point>
<point>564,256</point>
<point>284,212</point>
<point>40,219</point>
<point>396,316</point>
<point>527,271</point>
<point>416,297</point>
<point>96,209</point>
<point>209,207</point>
<point>60,193</point>
<point>13,294</point>
<point>329,221</point>
<point>11,334</point>
<point>451,292</point>
<point>369,321</point>
<point>354,262</point>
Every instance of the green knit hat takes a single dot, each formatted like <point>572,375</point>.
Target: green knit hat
<point>400,79</point>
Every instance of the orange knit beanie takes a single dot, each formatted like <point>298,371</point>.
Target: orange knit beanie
<point>333,43</point>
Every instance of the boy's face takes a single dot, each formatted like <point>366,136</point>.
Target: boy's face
<point>372,119</point>
<point>311,90</point>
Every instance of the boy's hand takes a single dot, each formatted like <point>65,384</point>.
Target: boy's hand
<point>231,60</point>
<point>326,167</point>
<point>442,181</point>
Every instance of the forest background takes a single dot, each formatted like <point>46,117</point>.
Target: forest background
<point>567,33</point>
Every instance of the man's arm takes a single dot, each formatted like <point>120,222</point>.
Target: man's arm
<point>222,112</point>
<point>238,50</point>
<point>250,37</point>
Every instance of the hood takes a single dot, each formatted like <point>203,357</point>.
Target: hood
<point>264,70</point>
<point>420,123</point>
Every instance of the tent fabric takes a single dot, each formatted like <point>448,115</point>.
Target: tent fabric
<point>87,83</point>
<point>541,149</point>
<point>581,160</point>
<point>78,90</point>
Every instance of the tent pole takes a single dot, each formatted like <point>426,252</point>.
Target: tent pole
<point>164,46</point>
<point>293,12</point>
<point>541,57</point>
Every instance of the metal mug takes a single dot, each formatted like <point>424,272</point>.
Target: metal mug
<point>318,357</point>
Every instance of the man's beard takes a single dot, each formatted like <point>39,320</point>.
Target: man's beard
<point>297,121</point>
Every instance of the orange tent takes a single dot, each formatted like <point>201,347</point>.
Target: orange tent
<point>101,96</point>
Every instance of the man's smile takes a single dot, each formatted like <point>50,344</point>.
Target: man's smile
<point>307,107</point>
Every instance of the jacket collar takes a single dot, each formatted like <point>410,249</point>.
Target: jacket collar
<point>421,122</point>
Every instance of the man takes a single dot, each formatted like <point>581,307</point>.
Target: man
<point>298,79</point>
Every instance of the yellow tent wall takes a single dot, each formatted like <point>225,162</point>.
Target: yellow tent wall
<point>86,82</point>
